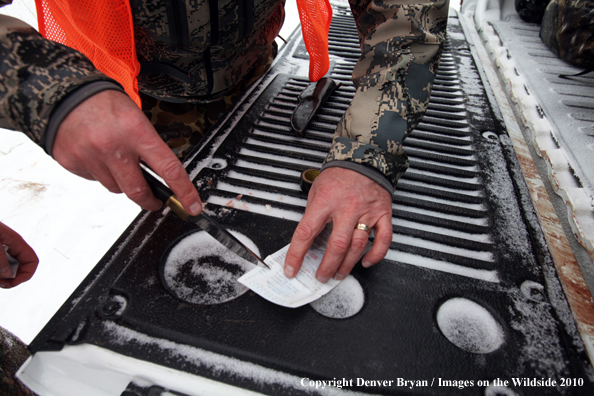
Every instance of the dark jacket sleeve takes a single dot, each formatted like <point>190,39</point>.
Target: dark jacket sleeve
<point>36,75</point>
<point>401,45</point>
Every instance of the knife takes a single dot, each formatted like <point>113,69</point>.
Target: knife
<point>204,221</point>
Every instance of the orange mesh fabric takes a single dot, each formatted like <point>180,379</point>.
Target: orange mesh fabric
<point>100,29</point>
<point>316,16</point>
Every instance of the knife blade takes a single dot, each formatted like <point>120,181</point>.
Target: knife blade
<point>204,221</point>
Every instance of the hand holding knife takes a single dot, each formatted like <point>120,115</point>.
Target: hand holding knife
<point>208,224</point>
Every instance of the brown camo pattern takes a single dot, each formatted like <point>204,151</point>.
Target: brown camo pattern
<point>13,354</point>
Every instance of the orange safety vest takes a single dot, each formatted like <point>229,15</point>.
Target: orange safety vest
<point>103,31</point>
<point>315,16</point>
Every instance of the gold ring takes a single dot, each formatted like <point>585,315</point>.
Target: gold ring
<point>363,227</point>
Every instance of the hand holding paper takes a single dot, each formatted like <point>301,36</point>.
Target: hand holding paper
<point>273,285</point>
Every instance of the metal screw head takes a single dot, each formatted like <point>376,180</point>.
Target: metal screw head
<point>110,308</point>
<point>490,135</point>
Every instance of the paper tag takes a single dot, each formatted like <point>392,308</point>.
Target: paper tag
<point>273,285</point>
<point>12,262</point>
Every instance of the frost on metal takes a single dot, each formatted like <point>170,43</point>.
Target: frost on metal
<point>561,173</point>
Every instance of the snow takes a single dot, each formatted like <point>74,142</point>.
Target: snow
<point>541,340</point>
<point>267,168</point>
<point>473,180</point>
<point>492,390</point>
<point>563,150</point>
<point>322,152</point>
<point>344,301</point>
<point>533,291</point>
<point>215,364</point>
<point>466,205</point>
<point>200,270</point>
<point>274,157</point>
<point>476,237</point>
<point>277,136</point>
<point>266,209</point>
<point>69,222</point>
<point>469,326</point>
<point>470,193</point>
<point>263,180</point>
<point>23,10</point>
<point>270,196</point>
<point>463,219</point>
<point>444,266</point>
<point>440,247</point>
<point>469,157</point>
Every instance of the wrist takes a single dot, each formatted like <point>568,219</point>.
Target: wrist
<point>363,169</point>
<point>69,103</point>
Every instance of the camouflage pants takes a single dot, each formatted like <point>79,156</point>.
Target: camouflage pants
<point>182,125</point>
<point>13,354</point>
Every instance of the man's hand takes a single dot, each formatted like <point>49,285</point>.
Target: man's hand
<point>20,250</point>
<point>345,198</point>
<point>106,136</point>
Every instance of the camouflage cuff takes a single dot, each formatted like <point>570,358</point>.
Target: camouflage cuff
<point>389,165</point>
<point>365,170</point>
<point>36,75</point>
<point>69,103</point>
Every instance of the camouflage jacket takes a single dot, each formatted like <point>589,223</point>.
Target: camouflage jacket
<point>36,75</point>
<point>201,57</point>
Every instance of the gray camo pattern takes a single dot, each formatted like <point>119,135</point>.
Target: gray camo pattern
<point>401,46</point>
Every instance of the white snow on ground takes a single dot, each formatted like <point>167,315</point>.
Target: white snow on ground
<point>70,223</point>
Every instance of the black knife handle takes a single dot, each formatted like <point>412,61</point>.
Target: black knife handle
<point>160,190</point>
<point>163,193</point>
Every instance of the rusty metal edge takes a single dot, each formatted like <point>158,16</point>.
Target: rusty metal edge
<point>570,275</point>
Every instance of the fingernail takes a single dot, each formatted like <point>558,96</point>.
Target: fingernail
<point>339,277</point>
<point>195,208</point>
<point>5,272</point>
<point>366,264</point>
<point>289,271</point>
<point>321,279</point>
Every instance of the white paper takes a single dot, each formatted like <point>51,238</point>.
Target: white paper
<point>273,284</point>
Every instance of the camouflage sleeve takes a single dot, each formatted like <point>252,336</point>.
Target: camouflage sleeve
<point>35,76</point>
<point>401,43</point>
